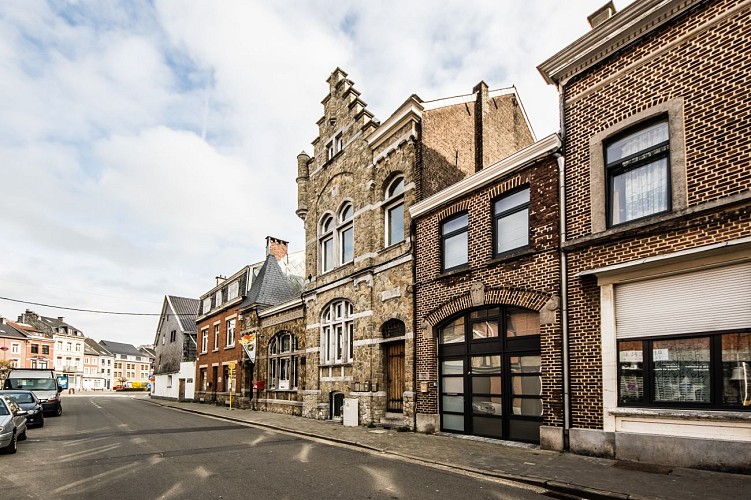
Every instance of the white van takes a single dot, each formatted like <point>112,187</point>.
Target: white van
<point>42,383</point>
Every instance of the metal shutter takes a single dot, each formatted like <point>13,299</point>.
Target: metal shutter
<point>701,301</point>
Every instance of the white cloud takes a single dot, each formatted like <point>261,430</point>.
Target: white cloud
<point>147,147</point>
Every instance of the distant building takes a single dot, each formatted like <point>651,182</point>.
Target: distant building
<point>106,363</point>
<point>129,366</point>
<point>13,344</point>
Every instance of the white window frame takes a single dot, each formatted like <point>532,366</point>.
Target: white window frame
<point>393,199</point>
<point>337,333</point>
<point>346,224</point>
<point>326,237</point>
<point>205,340</point>
<point>15,348</point>
<point>233,290</point>
<point>503,217</point>
<point>216,337</point>
<point>206,305</point>
<point>230,323</point>
<point>218,298</point>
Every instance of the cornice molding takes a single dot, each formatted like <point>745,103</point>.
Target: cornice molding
<point>411,110</point>
<point>634,22</point>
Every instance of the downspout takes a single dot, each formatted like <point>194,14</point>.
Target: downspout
<point>566,373</point>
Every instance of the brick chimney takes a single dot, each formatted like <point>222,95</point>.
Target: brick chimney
<point>276,247</point>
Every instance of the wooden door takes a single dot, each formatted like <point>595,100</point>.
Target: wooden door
<point>181,390</point>
<point>394,376</point>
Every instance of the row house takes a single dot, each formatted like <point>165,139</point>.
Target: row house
<point>354,195</point>
<point>129,365</point>
<point>68,345</point>
<point>106,365</point>
<point>13,344</point>
<point>657,237</point>
<point>39,347</point>
<point>487,287</point>
<point>273,332</point>
<point>224,334</point>
<point>93,378</point>
<point>175,347</point>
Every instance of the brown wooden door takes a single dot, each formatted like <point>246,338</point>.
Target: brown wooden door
<point>181,390</point>
<point>394,376</point>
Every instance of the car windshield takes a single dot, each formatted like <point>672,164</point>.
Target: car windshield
<point>21,397</point>
<point>32,384</point>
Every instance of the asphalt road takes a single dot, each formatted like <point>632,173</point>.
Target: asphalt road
<point>119,447</point>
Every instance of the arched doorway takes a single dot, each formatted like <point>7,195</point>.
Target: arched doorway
<point>393,351</point>
<point>490,376</point>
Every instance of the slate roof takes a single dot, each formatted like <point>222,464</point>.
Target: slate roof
<point>186,310</point>
<point>270,287</point>
<point>100,349</point>
<point>8,331</point>
<point>56,323</point>
<point>120,348</point>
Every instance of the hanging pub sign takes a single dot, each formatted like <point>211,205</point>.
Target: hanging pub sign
<point>248,341</point>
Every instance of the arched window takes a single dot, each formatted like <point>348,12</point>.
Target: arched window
<point>337,333</point>
<point>283,361</point>
<point>326,239</point>
<point>346,234</point>
<point>394,212</point>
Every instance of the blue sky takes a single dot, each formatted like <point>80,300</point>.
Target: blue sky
<point>147,147</point>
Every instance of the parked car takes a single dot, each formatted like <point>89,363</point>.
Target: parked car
<point>28,401</point>
<point>12,425</point>
<point>42,383</point>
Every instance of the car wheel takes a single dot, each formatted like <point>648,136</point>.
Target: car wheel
<point>41,421</point>
<point>59,411</point>
<point>12,447</point>
<point>22,436</point>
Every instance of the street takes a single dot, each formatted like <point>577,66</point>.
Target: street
<point>124,447</point>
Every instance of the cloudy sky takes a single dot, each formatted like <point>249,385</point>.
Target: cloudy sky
<point>148,146</point>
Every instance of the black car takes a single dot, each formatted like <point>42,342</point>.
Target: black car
<point>28,401</point>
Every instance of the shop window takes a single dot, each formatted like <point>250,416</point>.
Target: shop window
<point>707,371</point>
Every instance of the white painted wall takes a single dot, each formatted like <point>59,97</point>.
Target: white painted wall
<point>162,387</point>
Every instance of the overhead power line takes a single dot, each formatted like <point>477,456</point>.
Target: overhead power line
<point>119,313</point>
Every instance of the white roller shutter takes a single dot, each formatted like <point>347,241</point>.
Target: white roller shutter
<point>701,301</point>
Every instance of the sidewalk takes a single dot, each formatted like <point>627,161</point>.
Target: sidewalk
<point>584,477</point>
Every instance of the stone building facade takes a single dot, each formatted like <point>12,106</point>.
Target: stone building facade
<point>658,234</point>
<point>353,195</point>
<point>487,294</point>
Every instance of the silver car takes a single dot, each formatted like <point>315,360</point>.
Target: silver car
<point>12,425</point>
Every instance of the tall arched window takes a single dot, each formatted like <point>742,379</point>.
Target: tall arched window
<point>337,333</point>
<point>283,361</point>
<point>394,211</point>
<point>326,238</point>
<point>346,234</point>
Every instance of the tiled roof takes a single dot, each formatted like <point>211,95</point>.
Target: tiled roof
<point>9,332</point>
<point>100,349</point>
<point>270,287</point>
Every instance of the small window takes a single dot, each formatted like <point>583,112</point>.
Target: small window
<point>394,212</point>
<point>205,340</point>
<point>233,290</point>
<point>231,332</point>
<point>218,298</point>
<point>454,242</point>
<point>206,305</point>
<point>346,234</point>
<point>329,151</point>
<point>511,215</point>
<point>327,244</point>
<point>638,173</point>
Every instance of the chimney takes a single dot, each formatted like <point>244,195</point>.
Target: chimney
<point>61,319</point>
<point>601,15</point>
<point>276,247</point>
<point>220,279</point>
<point>2,320</point>
<point>481,112</point>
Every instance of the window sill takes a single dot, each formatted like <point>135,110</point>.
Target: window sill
<point>513,254</point>
<point>455,271</point>
<point>229,347</point>
<point>215,350</point>
<point>662,221</point>
<point>335,364</point>
<point>709,415</point>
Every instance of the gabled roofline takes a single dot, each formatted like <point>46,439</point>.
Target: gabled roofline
<point>487,175</point>
<point>632,23</point>
<point>410,110</point>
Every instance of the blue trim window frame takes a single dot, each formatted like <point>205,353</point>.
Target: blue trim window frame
<point>454,242</point>
<point>511,222</point>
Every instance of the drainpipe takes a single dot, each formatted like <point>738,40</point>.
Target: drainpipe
<point>566,372</point>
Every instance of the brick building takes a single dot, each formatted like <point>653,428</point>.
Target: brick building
<point>487,290</point>
<point>655,119</point>
<point>353,195</point>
